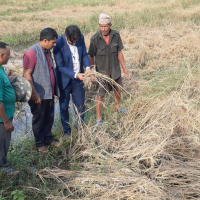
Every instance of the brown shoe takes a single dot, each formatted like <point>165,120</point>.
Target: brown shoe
<point>56,144</point>
<point>43,149</point>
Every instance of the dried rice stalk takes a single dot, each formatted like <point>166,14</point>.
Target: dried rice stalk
<point>152,153</point>
<point>101,79</point>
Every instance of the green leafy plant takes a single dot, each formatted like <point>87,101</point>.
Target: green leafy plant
<point>18,195</point>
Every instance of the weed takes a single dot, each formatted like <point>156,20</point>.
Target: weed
<point>18,195</point>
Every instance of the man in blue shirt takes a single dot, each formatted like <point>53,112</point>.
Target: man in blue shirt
<point>70,56</point>
<point>7,109</point>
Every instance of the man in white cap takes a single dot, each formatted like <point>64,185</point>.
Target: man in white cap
<point>105,52</point>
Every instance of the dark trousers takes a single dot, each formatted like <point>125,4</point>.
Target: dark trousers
<point>5,138</point>
<point>43,117</point>
<point>74,87</point>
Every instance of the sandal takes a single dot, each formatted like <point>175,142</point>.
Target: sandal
<point>99,123</point>
<point>56,144</point>
<point>43,149</point>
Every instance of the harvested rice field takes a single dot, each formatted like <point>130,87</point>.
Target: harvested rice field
<point>152,152</point>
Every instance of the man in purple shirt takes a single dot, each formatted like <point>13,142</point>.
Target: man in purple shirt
<point>39,71</point>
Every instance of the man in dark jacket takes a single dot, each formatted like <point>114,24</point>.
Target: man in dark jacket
<point>39,71</point>
<point>105,52</point>
<point>71,57</point>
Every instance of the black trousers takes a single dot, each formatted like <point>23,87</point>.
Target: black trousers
<point>43,117</point>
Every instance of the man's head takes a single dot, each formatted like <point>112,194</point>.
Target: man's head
<point>48,37</point>
<point>72,34</point>
<point>105,24</point>
<point>4,53</point>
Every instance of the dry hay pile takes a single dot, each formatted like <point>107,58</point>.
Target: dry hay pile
<point>152,153</point>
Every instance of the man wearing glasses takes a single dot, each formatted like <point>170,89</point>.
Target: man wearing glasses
<point>71,57</point>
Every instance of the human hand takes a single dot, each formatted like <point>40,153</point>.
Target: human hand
<point>8,126</point>
<point>81,76</point>
<point>36,98</point>
<point>87,71</point>
<point>126,74</point>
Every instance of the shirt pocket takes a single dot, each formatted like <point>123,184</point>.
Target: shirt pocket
<point>101,51</point>
<point>114,47</point>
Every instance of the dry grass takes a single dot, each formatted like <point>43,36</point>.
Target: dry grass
<point>101,79</point>
<point>152,153</point>
<point>155,48</point>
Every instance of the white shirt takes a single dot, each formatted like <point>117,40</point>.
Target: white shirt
<point>75,58</point>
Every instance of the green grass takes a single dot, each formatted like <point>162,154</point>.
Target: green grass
<point>23,155</point>
<point>20,39</point>
<point>52,4</point>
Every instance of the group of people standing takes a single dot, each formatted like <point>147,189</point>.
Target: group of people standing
<point>73,63</point>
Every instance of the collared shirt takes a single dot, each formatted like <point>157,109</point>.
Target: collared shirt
<point>106,56</point>
<point>7,94</point>
<point>75,58</point>
<point>30,60</point>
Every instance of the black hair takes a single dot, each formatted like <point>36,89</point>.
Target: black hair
<point>3,45</point>
<point>48,34</point>
<point>73,33</point>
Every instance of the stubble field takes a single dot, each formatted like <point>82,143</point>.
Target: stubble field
<point>150,153</point>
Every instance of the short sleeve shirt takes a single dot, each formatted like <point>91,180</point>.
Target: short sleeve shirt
<point>106,56</point>
<point>7,94</point>
<point>30,60</point>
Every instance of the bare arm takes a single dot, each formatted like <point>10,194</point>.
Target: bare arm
<point>7,124</point>
<point>35,96</point>
<point>91,61</point>
<point>122,62</point>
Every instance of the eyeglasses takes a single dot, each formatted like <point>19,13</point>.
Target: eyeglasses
<point>72,43</point>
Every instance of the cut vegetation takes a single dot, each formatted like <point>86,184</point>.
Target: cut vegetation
<point>151,153</point>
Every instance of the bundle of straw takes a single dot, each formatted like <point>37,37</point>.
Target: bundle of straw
<point>101,79</point>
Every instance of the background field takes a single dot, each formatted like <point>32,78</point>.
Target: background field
<point>151,153</point>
